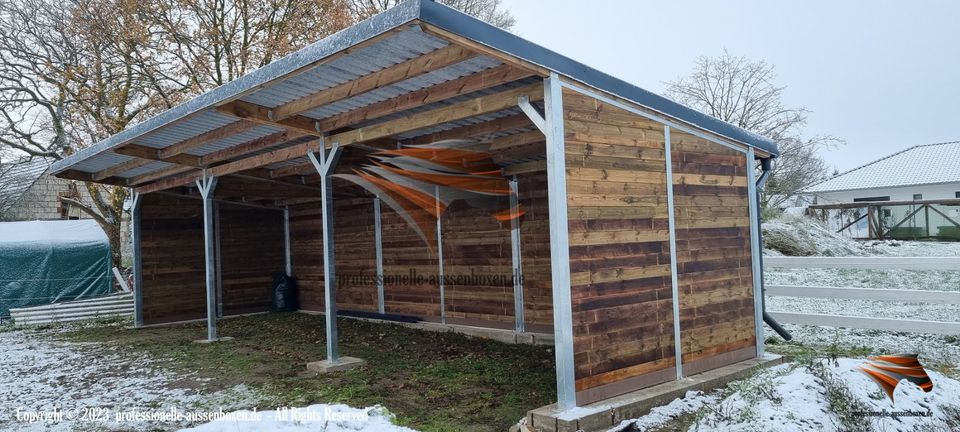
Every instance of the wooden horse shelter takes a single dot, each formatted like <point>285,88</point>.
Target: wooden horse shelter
<point>426,165</point>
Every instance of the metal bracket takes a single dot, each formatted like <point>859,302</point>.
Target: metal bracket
<point>531,111</point>
<point>324,161</point>
<point>206,185</point>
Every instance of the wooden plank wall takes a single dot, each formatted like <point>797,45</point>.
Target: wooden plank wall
<point>474,244</point>
<point>251,251</point>
<point>172,256</point>
<point>477,266</point>
<point>174,275</point>
<point>713,253</point>
<point>354,250</point>
<point>619,249</point>
<point>535,253</point>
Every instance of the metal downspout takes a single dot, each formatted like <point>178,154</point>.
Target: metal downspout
<point>765,166</point>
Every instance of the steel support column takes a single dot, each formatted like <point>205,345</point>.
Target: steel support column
<point>378,237</point>
<point>135,213</point>
<point>515,254</point>
<point>216,231</point>
<point>559,243</point>
<point>443,301</point>
<point>288,261</point>
<point>207,186</point>
<point>324,162</point>
<point>674,282</point>
<point>755,250</point>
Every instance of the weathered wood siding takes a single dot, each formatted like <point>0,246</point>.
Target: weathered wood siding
<point>535,253</point>
<point>172,255</point>
<point>251,251</point>
<point>619,249</point>
<point>714,264</point>
<point>478,264</point>
<point>174,273</point>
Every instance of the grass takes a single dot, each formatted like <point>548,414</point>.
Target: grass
<point>431,381</point>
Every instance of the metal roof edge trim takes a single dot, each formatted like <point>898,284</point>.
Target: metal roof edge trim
<point>481,32</point>
<point>339,41</point>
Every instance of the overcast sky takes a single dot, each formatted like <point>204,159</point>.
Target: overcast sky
<point>881,75</point>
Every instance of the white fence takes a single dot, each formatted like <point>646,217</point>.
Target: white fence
<point>891,295</point>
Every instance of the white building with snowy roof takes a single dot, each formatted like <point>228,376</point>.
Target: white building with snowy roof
<point>922,172</point>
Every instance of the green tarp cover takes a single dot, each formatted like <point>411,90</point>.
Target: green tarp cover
<point>43,262</point>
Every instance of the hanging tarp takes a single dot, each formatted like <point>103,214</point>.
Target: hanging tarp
<point>43,262</point>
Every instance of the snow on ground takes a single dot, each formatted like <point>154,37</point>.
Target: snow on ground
<point>327,418</point>
<point>90,386</point>
<point>822,396</point>
<point>809,237</point>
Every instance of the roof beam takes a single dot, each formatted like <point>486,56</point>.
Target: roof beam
<point>468,84</point>
<point>476,130</point>
<point>120,168</point>
<point>437,59</point>
<point>262,115</point>
<point>206,137</point>
<point>484,49</point>
<point>250,147</point>
<point>459,111</point>
<point>152,154</point>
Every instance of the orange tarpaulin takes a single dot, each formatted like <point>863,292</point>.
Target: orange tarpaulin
<point>475,183</point>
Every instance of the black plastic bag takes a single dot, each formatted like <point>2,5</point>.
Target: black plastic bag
<point>284,293</point>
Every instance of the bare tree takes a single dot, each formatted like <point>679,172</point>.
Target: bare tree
<point>212,42</point>
<point>743,92</point>
<point>73,73</point>
<point>491,11</point>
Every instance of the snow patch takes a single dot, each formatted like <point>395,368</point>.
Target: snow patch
<point>328,418</point>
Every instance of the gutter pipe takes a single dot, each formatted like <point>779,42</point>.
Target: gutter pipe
<point>766,165</point>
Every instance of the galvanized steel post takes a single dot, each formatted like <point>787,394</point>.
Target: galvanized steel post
<point>443,301</point>
<point>207,185</point>
<point>135,213</point>
<point>515,254</point>
<point>755,250</point>
<point>674,282</point>
<point>378,237</point>
<point>559,243</point>
<point>324,166</point>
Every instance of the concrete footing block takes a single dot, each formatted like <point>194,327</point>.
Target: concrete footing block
<point>219,339</point>
<point>608,413</point>
<point>326,366</point>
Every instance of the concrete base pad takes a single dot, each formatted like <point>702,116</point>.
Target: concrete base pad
<point>603,415</point>
<point>325,366</point>
<point>219,339</point>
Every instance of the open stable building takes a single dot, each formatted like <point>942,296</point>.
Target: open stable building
<point>423,164</point>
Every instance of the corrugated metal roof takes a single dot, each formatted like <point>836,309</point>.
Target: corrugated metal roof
<point>921,164</point>
<point>315,68</point>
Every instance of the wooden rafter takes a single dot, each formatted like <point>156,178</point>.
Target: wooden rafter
<point>475,130</point>
<point>120,168</point>
<point>468,84</point>
<point>206,137</point>
<point>152,154</point>
<point>429,62</point>
<point>466,109</point>
<point>481,48</point>
<point>250,147</point>
<point>260,114</point>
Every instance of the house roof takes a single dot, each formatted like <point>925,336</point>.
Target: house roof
<point>917,165</point>
<point>395,37</point>
<point>17,177</point>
